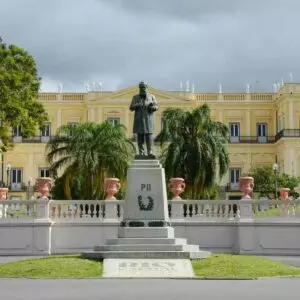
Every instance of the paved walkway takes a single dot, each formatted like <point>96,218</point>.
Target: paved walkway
<point>289,260</point>
<point>267,289</point>
<point>7,259</point>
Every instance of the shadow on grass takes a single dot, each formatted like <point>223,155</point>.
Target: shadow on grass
<point>95,259</point>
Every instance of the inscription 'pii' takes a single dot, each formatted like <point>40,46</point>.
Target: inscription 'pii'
<point>145,187</point>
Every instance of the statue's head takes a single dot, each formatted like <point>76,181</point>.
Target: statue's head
<point>143,88</point>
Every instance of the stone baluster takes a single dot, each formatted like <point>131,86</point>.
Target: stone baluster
<point>111,210</point>
<point>177,209</point>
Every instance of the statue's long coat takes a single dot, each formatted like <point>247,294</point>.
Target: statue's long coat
<point>143,117</point>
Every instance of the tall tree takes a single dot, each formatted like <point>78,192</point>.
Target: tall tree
<point>196,148</point>
<point>90,152</point>
<point>19,87</point>
<point>264,181</point>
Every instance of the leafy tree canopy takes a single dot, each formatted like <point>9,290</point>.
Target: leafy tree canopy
<point>264,180</point>
<point>84,155</point>
<point>19,87</point>
<point>196,149</point>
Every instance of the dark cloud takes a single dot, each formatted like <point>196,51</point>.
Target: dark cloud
<point>161,41</point>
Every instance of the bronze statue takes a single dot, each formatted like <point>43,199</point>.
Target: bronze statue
<point>144,105</point>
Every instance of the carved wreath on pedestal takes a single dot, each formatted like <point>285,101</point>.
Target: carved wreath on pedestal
<point>147,207</point>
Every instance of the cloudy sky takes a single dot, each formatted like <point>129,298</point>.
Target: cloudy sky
<point>120,42</point>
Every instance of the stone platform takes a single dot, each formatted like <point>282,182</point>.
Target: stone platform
<point>146,245</point>
<point>142,243</point>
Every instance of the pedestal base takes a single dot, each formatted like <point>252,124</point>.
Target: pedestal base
<point>146,242</point>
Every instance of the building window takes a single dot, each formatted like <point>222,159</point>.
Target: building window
<point>113,121</point>
<point>16,179</point>
<point>46,133</point>
<point>17,134</point>
<point>234,132</point>
<point>262,132</point>
<point>17,131</point>
<point>234,178</point>
<point>73,124</point>
<point>44,172</point>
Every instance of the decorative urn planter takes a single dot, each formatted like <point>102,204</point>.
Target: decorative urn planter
<point>3,193</point>
<point>246,186</point>
<point>176,187</point>
<point>43,186</point>
<point>111,187</point>
<point>284,193</point>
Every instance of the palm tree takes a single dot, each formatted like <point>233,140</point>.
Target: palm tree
<point>196,148</point>
<point>91,151</point>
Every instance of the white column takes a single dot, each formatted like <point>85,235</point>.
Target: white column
<point>99,114</point>
<point>220,115</point>
<point>58,118</point>
<point>42,208</point>
<point>275,122</point>
<point>91,114</point>
<point>248,124</point>
<point>291,114</point>
<point>30,172</point>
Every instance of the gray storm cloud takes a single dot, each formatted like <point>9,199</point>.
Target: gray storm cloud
<point>120,42</point>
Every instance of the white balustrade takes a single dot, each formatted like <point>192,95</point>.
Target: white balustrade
<point>276,208</point>
<point>18,209</point>
<point>204,209</point>
<point>86,209</point>
<point>185,210</point>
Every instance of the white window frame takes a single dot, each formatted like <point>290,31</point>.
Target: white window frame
<point>43,172</point>
<point>234,132</point>
<point>234,180</point>
<point>17,134</point>
<point>16,185</point>
<point>114,120</point>
<point>262,132</point>
<point>46,133</point>
<point>73,123</point>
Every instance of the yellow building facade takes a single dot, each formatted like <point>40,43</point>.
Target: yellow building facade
<point>264,128</point>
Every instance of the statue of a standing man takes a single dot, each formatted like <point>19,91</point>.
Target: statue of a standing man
<point>144,105</point>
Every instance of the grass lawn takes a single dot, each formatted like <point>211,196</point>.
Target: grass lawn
<point>241,266</point>
<point>272,212</point>
<point>67,266</point>
<point>218,265</point>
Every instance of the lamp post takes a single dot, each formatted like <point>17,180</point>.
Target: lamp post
<point>2,168</point>
<point>275,169</point>
<point>29,195</point>
<point>29,188</point>
<point>8,169</point>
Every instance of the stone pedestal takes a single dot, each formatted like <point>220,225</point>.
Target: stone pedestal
<point>146,196</point>
<point>145,232</point>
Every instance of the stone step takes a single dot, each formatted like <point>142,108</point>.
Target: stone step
<point>145,247</point>
<point>147,254</point>
<point>148,232</point>
<point>148,241</point>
